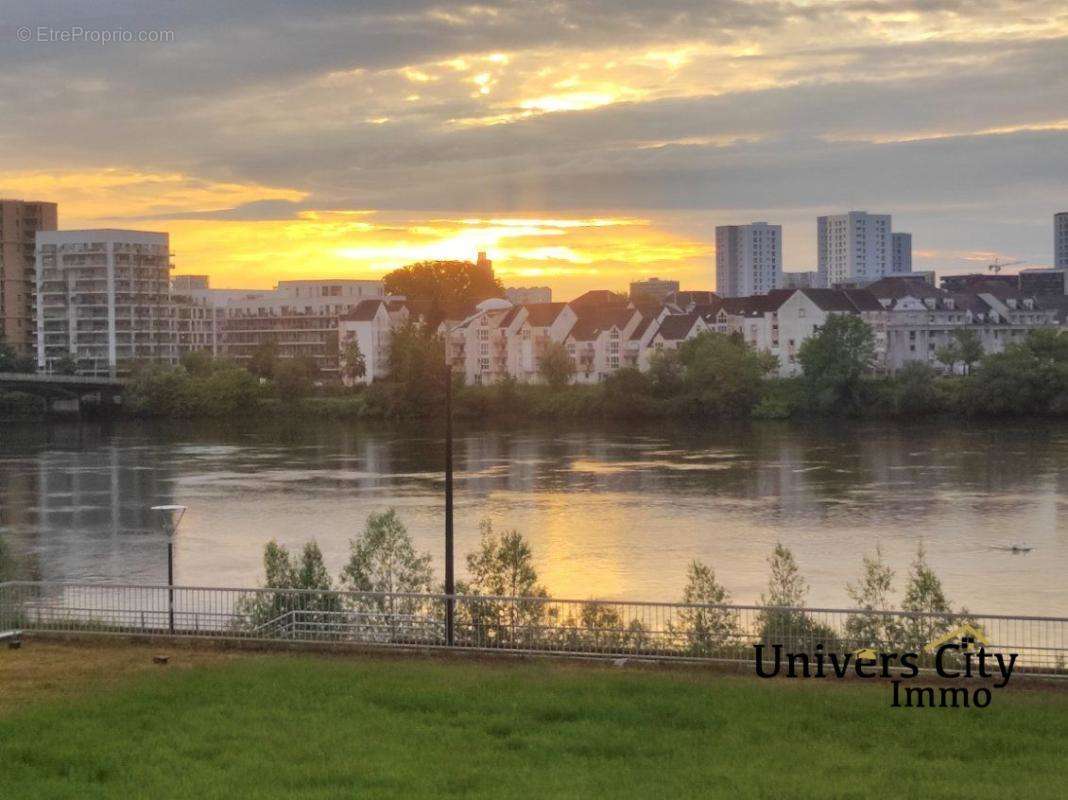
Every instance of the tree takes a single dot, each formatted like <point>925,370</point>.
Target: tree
<point>924,595</point>
<point>294,378</point>
<point>665,373</point>
<point>705,630</point>
<point>834,362</point>
<point>784,621</point>
<point>264,360</point>
<point>11,361</point>
<point>914,389</point>
<point>384,564</point>
<point>1028,377</point>
<point>417,369</point>
<point>556,366</point>
<point>441,290</point>
<point>198,363</point>
<point>305,597</point>
<point>872,593</point>
<point>353,364</point>
<point>965,347</point>
<point>65,365</point>
<point>722,375</point>
<point>503,566</point>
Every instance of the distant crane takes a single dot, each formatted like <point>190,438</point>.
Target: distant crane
<point>999,265</point>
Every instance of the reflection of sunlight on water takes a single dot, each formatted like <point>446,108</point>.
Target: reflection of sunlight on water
<point>606,515</point>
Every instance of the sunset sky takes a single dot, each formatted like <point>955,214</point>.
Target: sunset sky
<point>582,144</point>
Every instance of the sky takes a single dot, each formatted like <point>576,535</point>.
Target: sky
<point>581,143</point>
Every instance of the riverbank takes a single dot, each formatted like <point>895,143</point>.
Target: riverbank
<point>213,723</point>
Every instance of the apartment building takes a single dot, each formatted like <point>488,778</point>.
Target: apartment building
<point>652,290</point>
<point>748,259</point>
<point>299,317</point>
<point>922,319</point>
<point>852,247</point>
<point>103,299</point>
<point>1060,240</point>
<point>522,295</point>
<point>901,259</point>
<point>598,341</point>
<point>811,279</point>
<point>20,220</point>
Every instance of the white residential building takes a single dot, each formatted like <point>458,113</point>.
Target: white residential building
<point>598,342</point>
<point>921,319</point>
<point>535,325</point>
<point>1060,240</point>
<point>370,325</point>
<point>854,247</point>
<point>104,299</point>
<point>748,259</point>
<point>901,261</point>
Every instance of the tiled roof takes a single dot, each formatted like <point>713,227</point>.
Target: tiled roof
<point>364,311</point>
<point>541,315</point>
<point>594,319</point>
<point>642,327</point>
<point>598,297</point>
<point>675,327</point>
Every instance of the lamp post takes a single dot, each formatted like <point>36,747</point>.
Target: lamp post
<point>450,584</point>
<point>169,518</point>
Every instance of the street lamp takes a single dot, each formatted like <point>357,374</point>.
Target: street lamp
<point>169,518</point>
<point>450,586</point>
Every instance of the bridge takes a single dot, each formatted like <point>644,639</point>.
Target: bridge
<point>62,392</point>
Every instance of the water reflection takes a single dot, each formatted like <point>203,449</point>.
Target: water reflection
<point>610,512</point>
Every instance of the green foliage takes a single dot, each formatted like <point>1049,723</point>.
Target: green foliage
<point>10,361</point>
<point>294,378</point>
<point>353,364</point>
<point>1029,377</point>
<point>722,375</point>
<point>502,566</point>
<point>382,563</point>
<point>665,373</point>
<point>706,631</point>
<point>626,393</point>
<point>834,361</point>
<point>786,622</point>
<point>65,365</point>
<point>306,598</point>
<point>555,366</point>
<point>264,360</point>
<point>914,390</point>
<point>924,595</point>
<point>440,290</point>
<point>873,593</point>
<point>216,389</point>
<point>417,371</point>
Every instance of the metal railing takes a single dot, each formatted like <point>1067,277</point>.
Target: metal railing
<point>517,624</point>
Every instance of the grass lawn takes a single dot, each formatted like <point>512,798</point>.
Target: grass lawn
<point>95,720</point>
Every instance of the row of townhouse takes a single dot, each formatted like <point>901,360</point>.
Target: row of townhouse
<point>603,332</point>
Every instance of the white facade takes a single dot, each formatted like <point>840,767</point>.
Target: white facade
<point>748,259</point>
<point>901,262</point>
<point>854,247</point>
<point>104,299</point>
<point>1060,240</point>
<point>370,325</point>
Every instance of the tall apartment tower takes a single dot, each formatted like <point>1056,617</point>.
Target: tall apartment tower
<point>19,222</point>
<point>853,247</point>
<point>748,259</point>
<point>1060,240</point>
<point>902,257</point>
<point>104,299</point>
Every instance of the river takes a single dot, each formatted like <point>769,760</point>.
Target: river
<point>610,511</point>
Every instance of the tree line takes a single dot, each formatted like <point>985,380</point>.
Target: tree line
<point>395,584</point>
